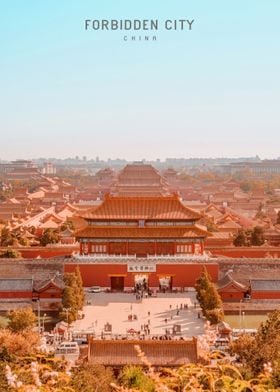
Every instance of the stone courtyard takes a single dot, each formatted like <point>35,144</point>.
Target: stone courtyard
<point>126,314</point>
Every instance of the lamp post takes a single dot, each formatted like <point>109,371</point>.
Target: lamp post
<point>67,310</point>
<point>243,320</point>
<point>240,320</point>
<point>44,316</point>
<point>38,312</point>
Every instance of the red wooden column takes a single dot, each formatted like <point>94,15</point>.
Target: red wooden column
<point>81,248</point>
<point>193,248</point>
<point>108,248</point>
<point>86,247</point>
<point>155,247</point>
<point>202,247</point>
<point>126,247</point>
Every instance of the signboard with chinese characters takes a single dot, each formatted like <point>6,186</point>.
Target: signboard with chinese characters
<point>140,267</point>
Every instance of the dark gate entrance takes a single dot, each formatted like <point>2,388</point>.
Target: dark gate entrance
<point>165,283</point>
<point>117,283</point>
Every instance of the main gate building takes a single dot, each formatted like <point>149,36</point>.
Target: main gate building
<point>129,238</point>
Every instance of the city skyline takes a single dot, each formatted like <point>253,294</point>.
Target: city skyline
<point>84,158</point>
<point>209,92</point>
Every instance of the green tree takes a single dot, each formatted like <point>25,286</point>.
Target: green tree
<point>23,241</point>
<point>10,254</point>
<point>209,298</point>
<point>89,378</point>
<point>67,225</point>
<point>50,236</point>
<point>246,186</point>
<point>240,239</point>
<point>21,319</point>
<point>243,348</point>
<point>7,238</point>
<point>80,288</point>
<point>134,377</point>
<point>18,343</point>
<point>73,295</point>
<point>263,348</point>
<point>257,237</point>
<point>69,310</point>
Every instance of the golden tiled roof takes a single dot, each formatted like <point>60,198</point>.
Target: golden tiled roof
<point>142,232</point>
<point>147,208</point>
<point>158,352</point>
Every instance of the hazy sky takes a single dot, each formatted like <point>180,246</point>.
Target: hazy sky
<point>212,91</point>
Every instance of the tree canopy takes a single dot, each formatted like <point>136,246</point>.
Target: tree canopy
<point>209,298</point>
<point>50,236</point>
<point>88,378</point>
<point>7,238</point>
<point>240,239</point>
<point>73,296</point>
<point>21,319</point>
<point>257,237</point>
<point>255,352</point>
<point>10,254</point>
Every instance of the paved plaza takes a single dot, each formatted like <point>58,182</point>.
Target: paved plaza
<point>158,314</point>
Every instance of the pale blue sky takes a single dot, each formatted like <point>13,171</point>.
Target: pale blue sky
<point>214,91</point>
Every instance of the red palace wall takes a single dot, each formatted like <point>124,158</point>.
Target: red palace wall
<point>16,294</point>
<point>50,294</point>
<point>265,295</point>
<point>248,252</point>
<point>236,296</point>
<point>183,275</point>
<point>45,252</point>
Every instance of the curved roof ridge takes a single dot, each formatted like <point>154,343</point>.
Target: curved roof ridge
<point>142,207</point>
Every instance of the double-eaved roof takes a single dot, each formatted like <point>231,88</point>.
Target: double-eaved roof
<point>146,208</point>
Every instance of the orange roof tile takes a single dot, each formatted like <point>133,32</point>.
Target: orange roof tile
<point>148,208</point>
<point>141,232</point>
<point>159,353</point>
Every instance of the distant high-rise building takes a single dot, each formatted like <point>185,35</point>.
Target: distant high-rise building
<point>48,169</point>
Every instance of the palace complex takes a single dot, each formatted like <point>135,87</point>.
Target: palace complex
<point>135,223</point>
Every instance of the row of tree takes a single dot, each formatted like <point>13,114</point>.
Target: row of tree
<point>209,298</point>
<point>253,237</point>
<point>17,237</point>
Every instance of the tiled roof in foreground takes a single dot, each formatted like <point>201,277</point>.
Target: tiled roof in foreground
<point>158,352</point>
<point>148,208</point>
